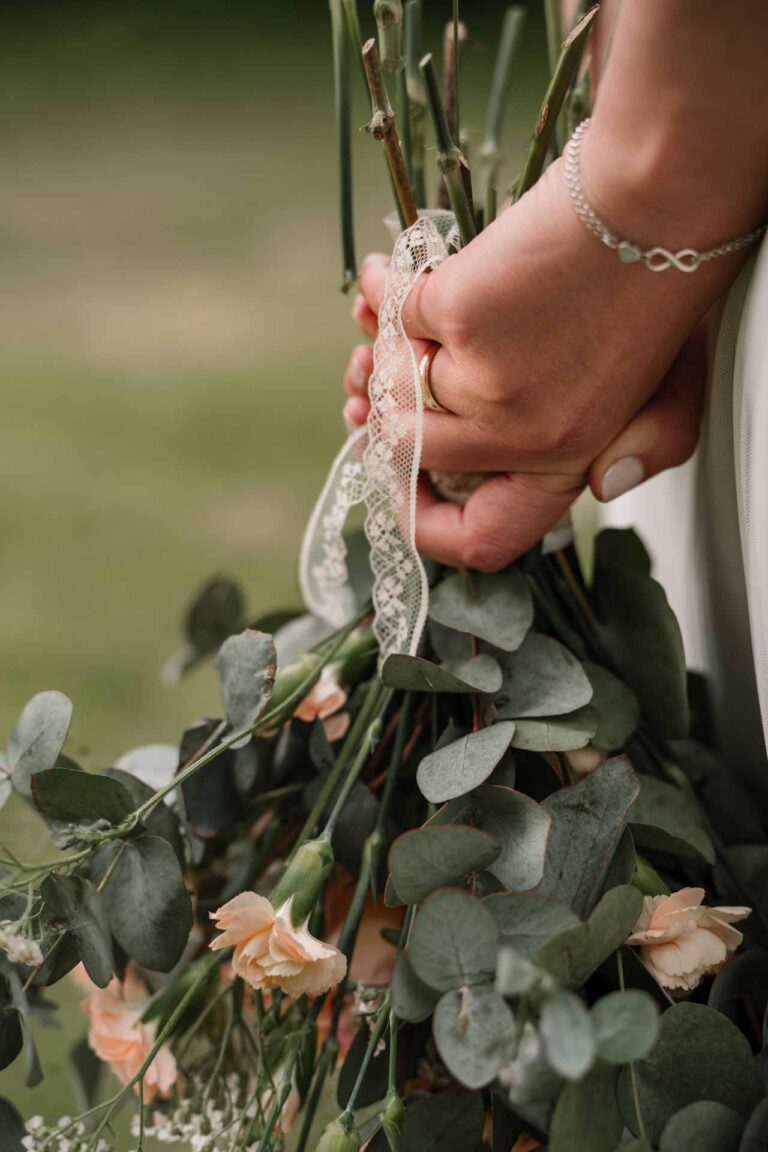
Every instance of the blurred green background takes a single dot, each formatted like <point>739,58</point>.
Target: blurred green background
<point>172,341</point>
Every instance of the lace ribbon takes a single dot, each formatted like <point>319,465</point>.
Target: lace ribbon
<point>379,465</point>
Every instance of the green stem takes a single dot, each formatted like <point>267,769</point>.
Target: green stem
<point>490,157</point>
<point>449,158</point>
<point>382,127</point>
<point>324,1066</point>
<point>392,1080</point>
<point>341,76</point>
<point>379,698</point>
<point>632,1071</point>
<point>417,107</point>
<point>554,26</point>
<point>456,69</point>
<point>564,72</point>
<point>382,1020</point>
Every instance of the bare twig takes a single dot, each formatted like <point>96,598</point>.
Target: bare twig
<point>382,127</point>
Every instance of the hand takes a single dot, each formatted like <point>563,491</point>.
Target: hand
<point>559,366</point>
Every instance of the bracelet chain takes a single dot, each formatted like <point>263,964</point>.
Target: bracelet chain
<point>657,259</point>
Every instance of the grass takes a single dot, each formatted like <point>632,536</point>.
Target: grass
<point>171,347</point>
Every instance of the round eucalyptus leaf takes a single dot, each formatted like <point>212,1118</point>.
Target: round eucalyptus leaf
<point>573,955</point>
<point>38,737</point>
<point>617,707</point>
<point>586,1117</point>
<point>703,1126</point>
<point>11,1035</point>
<point>246,665</point>
<point>626,1026</point>
<point>497,608</point>
<point>415,674</point>
<point>412,999</point>
<point>80,797</point>
<point>12,1128</point>
<point>450,1121</point>
<point>77,904</point>
<point>148,905</point>
<point>473,1028</point>
<point>462,765</point>
<point>437,855</point>
<point>542,678</point>
<point>566,1031</point>
<point>532,1083</point>
<point>154,764</point>
<point>664,818</point>
<point>215,613</point>
<point>557,733</point>
<point>454,941</point>
<point>521,827</point>
<point>755,1135</point>
<point>700,1055</point>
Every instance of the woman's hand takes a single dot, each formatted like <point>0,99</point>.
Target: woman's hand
<point>559,366</point>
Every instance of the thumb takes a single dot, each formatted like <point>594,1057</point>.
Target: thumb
<point>663,434</point>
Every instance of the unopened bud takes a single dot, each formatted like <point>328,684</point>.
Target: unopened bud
<point>304,878</point>
<point>291,677</point>
<point>647,879</point>
<point>389,21</point>
<point>340,1135</point>
<point>392,1118</point>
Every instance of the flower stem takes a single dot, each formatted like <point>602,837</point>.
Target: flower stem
<point>379,698</point>
<point>490,156</point>
<point>449,158</point>
<point>343,106</point>
<point>562,77</point>
<point>382,127</point>
<point>417,108</point>
<point>382,1020</point>
<point>632,1071</point>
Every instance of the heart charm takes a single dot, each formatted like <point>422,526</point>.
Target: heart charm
<point>628,253</point>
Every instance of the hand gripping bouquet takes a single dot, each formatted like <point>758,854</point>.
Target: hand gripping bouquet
<point>457,869</point>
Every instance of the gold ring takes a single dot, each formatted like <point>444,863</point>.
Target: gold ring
<point>425,366</point>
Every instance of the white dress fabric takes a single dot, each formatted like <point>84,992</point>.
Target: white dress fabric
<point>706,526</point>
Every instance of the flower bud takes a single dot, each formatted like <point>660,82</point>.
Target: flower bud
<point>389,20</point>
<point>340,1135</point>
<point>304,878</point>
<point>289,678</point>
<point>647,879</point>
<point>392,1118</point>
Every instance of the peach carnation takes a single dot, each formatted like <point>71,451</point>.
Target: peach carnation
<point>118,1036</point>
<point>325,702</point>
<point>681,942</point>
<point>270,952</point>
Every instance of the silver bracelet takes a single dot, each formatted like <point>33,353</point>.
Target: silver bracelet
<point>657,259</point>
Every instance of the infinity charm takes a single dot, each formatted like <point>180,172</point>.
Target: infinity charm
<point>659,259</point>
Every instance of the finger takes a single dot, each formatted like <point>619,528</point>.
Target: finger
<point>505,517</point>
<point>662,435</point>
<point>358,371</point>
<point>422,311</point>
<point>356,411</point>
<point>373,280</point>
<point>365,319</point>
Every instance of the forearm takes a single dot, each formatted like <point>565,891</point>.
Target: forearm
<point>677,151</point>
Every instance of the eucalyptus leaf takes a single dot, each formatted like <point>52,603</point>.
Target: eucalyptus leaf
<point>667,819</point>
<point>617,707</point>
<point>588,820</point>
<point>621,548</point>
<point>415,674</point>
<point>373,1086</point>
<point>497,608</point>
<point>642,637</point>
<point>454,941</point>
<point>38,737</point>
<point>532,1083</point>
<point>521,827</point>
<point>12,1128</point>
<point>755,1135</point>
<point>77,904</point>
<point>450,1121</point>
<point>80,797</point>
<point>557,733</point>
<point>246,665</point>
<point>472,1028</point>
<point>703,1126</point>
<point>215,613</point>
<point>542,678</point>
<point>437,855</point>
<point>744,976</point>
<point>572,956</point>
<point>462,765</point>
<point>586,1117</point>
<point>11,1035</point>
<point>625,1025</point>
<point>700,1055</point>
<point>566,1031</point>
<point>517,976</point>
<point>149,909</point>
<point>412,999</point>
<point>161,821</point>
<point>528,920</point>
<point>153,764</point>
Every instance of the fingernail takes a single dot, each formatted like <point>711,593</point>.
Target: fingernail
<point>357,374</point>
<point>349,424</point>
<point>358,305</point>
<point>621,477</point>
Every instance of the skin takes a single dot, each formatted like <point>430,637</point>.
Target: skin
<point>556,360</point>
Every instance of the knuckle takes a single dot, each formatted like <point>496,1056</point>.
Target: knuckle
<point>485,554</point>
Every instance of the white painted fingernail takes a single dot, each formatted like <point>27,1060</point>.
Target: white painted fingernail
<point>357,374</point>
<point>621,477</point>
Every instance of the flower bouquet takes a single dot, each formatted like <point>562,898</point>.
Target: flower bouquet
<point>458,868</point>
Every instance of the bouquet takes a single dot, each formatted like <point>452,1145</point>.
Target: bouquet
<point>472,885</point>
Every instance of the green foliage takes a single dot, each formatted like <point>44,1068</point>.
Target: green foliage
<point>472,1026</point>
<point>616,705</point>
<point>566,1031</point>
<point>453,942</point>
<point>148,906</point>
<point>542,678</point>
<point>78,907</point>
<point>704,1126</point>
<point>38,738</point>
<point>497,609</point>
<point>449,1122</point>
<point>456,768</point>
<point>573,955</point>
<point>527,920</point>
<point>557,733</point>
<point>12,1130</point>
<point>667,819</point>
<point>625,1026</point>
<point>438,855</point>
<point>415,674</point>
<point>80,798</point>
<point>586,1116</point>
<point>246,664</point>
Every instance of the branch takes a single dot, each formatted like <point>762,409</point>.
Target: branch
<point>382,127</point>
